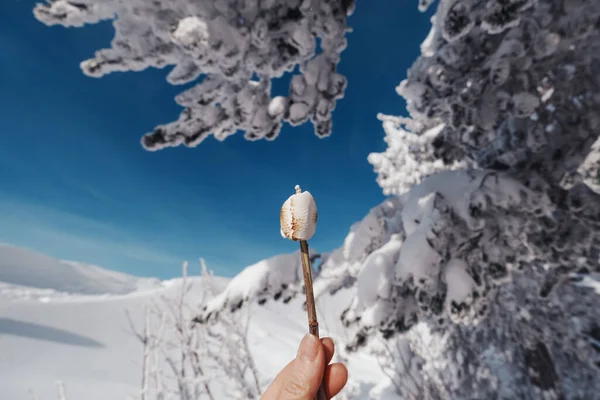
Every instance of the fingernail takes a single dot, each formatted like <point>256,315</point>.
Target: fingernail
<point>309,348</point>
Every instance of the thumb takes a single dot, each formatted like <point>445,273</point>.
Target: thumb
<point>304,379</point>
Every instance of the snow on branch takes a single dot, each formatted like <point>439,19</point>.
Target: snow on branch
<point>430,266</point>
<point>527,347</point>
<point>408,158</point>
<point>514,83</point>
<point>588,172</point>
<point>279,277</point>
<point>340,268</point>
<point>479,254</point>
<point>73,14</point>
<point>237,46</point>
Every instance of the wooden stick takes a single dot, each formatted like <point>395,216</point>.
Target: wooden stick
<point>313,323</point>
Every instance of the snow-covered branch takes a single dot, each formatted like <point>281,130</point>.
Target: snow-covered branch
<point>236,46</point>
<point>514,83</point>
<point>408,158</point>
<point>278,277</point>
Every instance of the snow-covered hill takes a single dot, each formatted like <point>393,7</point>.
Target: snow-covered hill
<point>26,273</point>
<point>84,339</point>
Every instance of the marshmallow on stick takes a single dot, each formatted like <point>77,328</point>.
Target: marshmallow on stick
<point>298,219</point>
<point>298,216</point>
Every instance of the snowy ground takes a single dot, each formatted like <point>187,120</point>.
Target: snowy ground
<point>64,321</point>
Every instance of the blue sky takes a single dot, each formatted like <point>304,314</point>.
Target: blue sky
<point>76,184</point>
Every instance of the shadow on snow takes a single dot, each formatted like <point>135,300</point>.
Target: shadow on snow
<point>9,326</point>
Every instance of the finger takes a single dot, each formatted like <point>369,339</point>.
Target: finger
<point>274,388</point>
<point>336,376</point>
<point>329,348</point>
<point>306,374</point>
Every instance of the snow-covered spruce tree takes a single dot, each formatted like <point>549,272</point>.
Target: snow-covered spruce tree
<point>488,270</point>
<point>235,47</point>
<point>507,90</point>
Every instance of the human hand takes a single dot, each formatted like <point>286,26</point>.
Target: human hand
<point>302,377</point>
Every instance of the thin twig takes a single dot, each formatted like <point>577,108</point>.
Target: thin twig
<point>145,361</point>
<point>60,388</point>
<point>251,364</point>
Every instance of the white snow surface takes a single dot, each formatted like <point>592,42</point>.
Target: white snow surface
<point>62,330</point>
